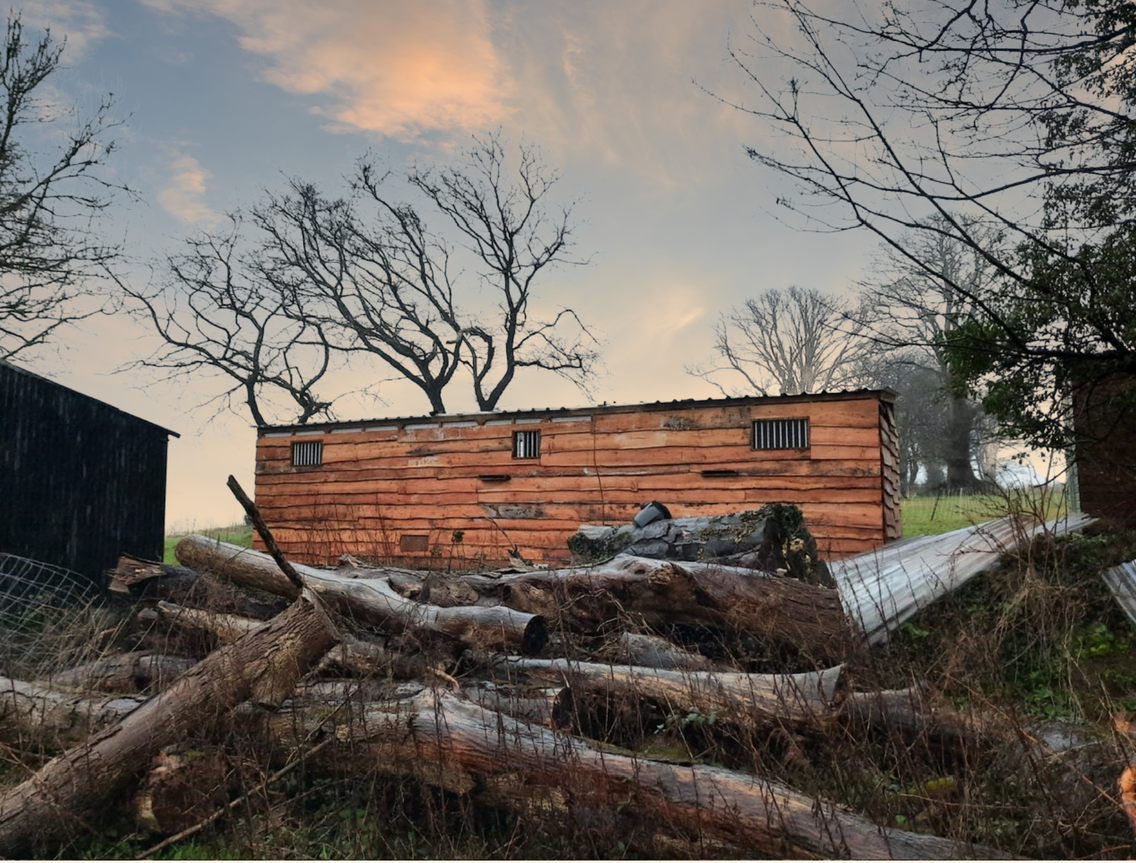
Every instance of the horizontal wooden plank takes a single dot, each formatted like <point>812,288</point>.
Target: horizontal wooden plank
<point>445,491</point>
<point>679,502</point>
<point>346,448</point>
<point>836,466</point>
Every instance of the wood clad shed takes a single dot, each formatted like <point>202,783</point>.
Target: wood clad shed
<point>1105,416</point>
<point>81,482</point>
<point>460,489</point>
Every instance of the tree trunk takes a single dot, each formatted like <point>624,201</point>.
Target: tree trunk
<point>782,611</point>
<point>911,715</point>
<point>773,538</point>
<point>743,699</point>
<point>35,717</point>
<point>466,748</point>
<point>960,424</point>
<point>636,649</point>
<point>263,666</point>
<point>372,601</point>
<point>124,673</point>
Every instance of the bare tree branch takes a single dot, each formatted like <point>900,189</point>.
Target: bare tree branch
<point>795,341</point>
<point>52,189</point>
<point>218,314</point>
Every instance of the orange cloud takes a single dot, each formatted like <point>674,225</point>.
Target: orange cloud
<point>184,197</point>
<point>399,69</point>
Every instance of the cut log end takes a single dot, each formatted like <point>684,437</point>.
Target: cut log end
<point>535,636</point>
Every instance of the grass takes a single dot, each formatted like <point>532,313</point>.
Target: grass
<point>1037,645</point>
<point>927,515</point>
<point>237,534</point>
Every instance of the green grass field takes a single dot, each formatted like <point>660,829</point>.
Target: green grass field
<point>238,534</point>
<point>926,515</point>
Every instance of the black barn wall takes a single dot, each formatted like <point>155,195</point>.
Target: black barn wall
<point>81,482</point>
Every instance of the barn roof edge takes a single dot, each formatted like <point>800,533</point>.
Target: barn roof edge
<point>885,394</point>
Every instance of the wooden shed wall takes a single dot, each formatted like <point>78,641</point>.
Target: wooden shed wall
<point>81,482</point>
<point>1105,416</point>
<point>378,485</point>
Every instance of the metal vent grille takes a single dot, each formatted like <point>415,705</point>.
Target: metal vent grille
<point>307,453</point>
<point>526,444</point>
<point>781,434</point>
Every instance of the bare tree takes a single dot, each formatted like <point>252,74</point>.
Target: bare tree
<point>381,288</point>
<point>796,340</point>
<point>915,308</point>
<point>1013,117</point>
<point>52,189</point>
<point>363,275</point>
<point>218,314</point>
<point>384,283</point>
<point>515,236</point>
<point>920,412</point>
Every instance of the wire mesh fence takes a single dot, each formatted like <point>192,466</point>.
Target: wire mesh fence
<point>50,618</point>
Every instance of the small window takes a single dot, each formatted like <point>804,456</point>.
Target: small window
<point>526,444</point>
<point>307,453</point>
<point>781,434</point>
<point>413,542</point>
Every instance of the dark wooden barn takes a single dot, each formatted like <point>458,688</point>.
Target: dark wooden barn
<point>429,490</point>
<point>1105,416</point>
<point>81,482</point>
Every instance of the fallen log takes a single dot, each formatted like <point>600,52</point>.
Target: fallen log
<point>773,538</point>
<point>552,706</point>
<point>372,601</point>
<point>225,627</point>
<point>463,747</point>
<point>38,718</point>
<point>368,659</point>
<point>145,580</point>
<point>915,717</point>
<point>783,611</point>
<point>744,699</point>
<point>124,673</point>
<point>352,655</point>
<point>263,666</point>
<point>634,648</point>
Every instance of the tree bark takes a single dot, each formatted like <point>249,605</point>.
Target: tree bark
<point>263,666</point>
<point>36,717</point>
<point>124,673</point>
<point>637,649</point>
<point>912,715</point>
<point>783,611</point>
<point>744,699</point>
<point>372,601</point>
<point>463,747</point>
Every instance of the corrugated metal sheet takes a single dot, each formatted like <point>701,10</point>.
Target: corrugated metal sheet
<point>582,412</point>
<point>883,589</point>
<point>1121,580</point>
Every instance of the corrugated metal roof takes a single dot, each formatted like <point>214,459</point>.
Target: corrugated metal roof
<point>882,589</point>
<point>1121,580</point>
<point>887,395</point>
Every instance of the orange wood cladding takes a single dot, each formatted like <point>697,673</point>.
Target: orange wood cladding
<point>452,487</point>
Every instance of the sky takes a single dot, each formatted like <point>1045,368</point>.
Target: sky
<point>223,100</point>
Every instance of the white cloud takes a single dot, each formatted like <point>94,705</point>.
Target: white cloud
<point>79,21</point>
<point>184,196</point>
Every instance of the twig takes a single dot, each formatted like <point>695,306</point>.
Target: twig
<point>265,533</point>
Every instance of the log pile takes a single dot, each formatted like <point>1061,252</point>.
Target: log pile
<point>500,687</point>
